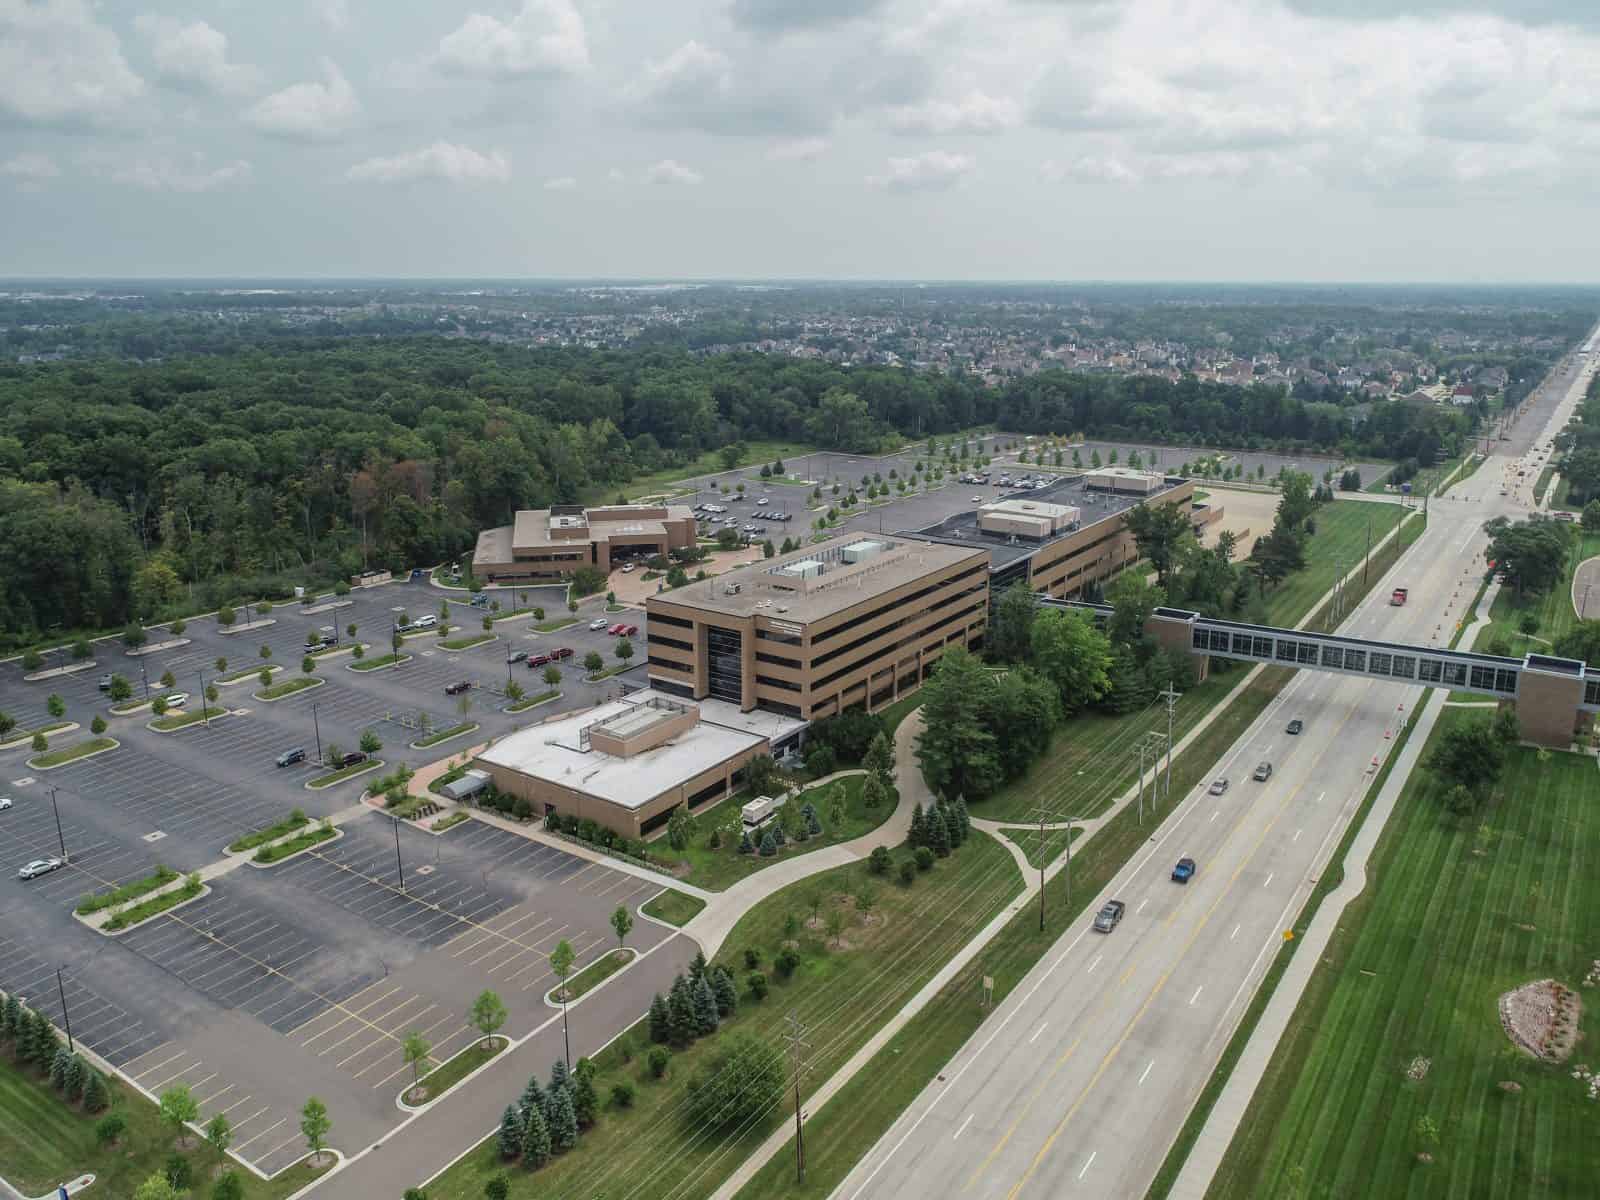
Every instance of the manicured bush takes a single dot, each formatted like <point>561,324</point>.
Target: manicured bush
<point>757,983</point>
<point>786,962</point>
<point>657,1061</point>
<point>109,1128</point>
<point>924,859</point>
<point>622,1095</point>
<point>908,871</point>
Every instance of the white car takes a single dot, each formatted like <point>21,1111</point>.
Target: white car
<point>427,622</point>
<point>176,699</point>
<point>763,500</point>
<point>5,803</point>
<point>977,500</point>
<point>598,623</point>
<point>40,866</point>
<point>627,568</point>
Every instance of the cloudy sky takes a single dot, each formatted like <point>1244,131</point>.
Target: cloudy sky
<point>981,139</point>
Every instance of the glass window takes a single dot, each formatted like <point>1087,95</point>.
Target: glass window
<point>1405,667</point>
<point>1430,671</point>
<point>1355,660</point>
<point>1333,656</point>
<point>1378,663</point>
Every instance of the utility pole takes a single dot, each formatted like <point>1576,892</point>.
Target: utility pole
<point>205,713</point>
<point>146,675</point>
<point>797,1064</point>
<point>399,865</point>
<point>317,728</point>
<point>1171,697</point>
<point>1151,742</point>
<point>65,1019</point>
<point>1368,563</point>
<point>1141,780</point>
<point>60,838</point>
<point>1041,813</point>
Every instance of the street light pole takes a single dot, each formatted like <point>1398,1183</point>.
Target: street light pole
<point>399,865</point>
<point>317,728</point>
<point>205,712</point>
<point>60,837</point>
<point>66,1020</point>
<point>146,674</point>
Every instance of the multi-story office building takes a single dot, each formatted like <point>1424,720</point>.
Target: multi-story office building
<point>856,620</point>
<point>550,543</point>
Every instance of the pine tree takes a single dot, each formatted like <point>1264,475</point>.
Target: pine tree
<point>511,1126</point>
<point>95,1094</point>
<point>919,828</point>
<point>705,1008</point>
<point>778,838</point>
<point>697,968</point>
<point>559,1075</point>
<point>659,1019</point>
<point>952,825</point>
<point>964,817</point>
<point>77,1072</point>
<point>58,1068</point>
<point>535,1140</point>
<point>746,846</point>
<point>680,1014</point>
<point>938,835</point>
<point>584,1102</point>
<point>564,1126</point>
<point>769,845</point>
<point>727,993</point>
<point>44,1041</point>
<point>10,1016</point>
<point>532,1099</point>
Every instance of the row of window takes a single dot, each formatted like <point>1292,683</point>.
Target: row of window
<point>932,630</point>
<point>955,597</point>
<point>661,618</point>
<point>657,639</point>
<point>777,660</point>
<point>897,602</point>
<point>774,682</point>
<point>669,664</point>
<point>1294,652</point>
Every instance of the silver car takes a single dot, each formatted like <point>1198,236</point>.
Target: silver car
<point>40,866</point>
<point>1218,786</point>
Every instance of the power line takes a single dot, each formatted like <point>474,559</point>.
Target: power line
<point>797,1067</point>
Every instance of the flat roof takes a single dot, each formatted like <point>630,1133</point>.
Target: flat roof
<point>767,590</point>
<point>1094,504</point>
<point>550,752</point>
<point>531,527</point>
<point>770,725</point>
<point>494,546</point>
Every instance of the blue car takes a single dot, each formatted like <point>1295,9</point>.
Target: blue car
<point>1184,871</point>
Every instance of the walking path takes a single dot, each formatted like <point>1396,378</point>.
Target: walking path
<point>1585,595</point>
<point>1206,1155</point>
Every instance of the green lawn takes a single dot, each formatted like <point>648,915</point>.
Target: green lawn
<point>717,869</point>
<point>467,643</point>
<point>1382,559</point>
<point>56,758</point>
<point>245,673</point>
<point>596,973</point>
<point>271,833</point>
<point>528,702</point>
<point>1424,481</point>
<point>339,776</point>
<point>1553,609</point>
<point>44,1141</point>
<point>862,1111</point>
<point>182,719</point>
<point>756,453</point>
<point>840,993</point>
<point>1039,849</point>
<point>674,907</point>
<point>126,918</point>
<point>385,660</point>
<point>1541,484</point>
<point>444,735</point>
<point>288,687</point>
<point>445,1076</point>
<point>555,624</point>
<point>304,841</point>
<point>21,737</point>
<point>1413,971</point>
<point>902,708</point>
<point>1339,544</point>
<point>161,876</point>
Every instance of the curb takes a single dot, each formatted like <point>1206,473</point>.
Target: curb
<point>633,957</point>
<point>317,681</point>
<point>338,833</point>
<point>81,758</point>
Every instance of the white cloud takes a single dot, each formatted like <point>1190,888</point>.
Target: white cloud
<point>180,175</point>
<point>779,16</point>
<point>195,56</point>
<point>798,149</point>
<point>700,87</point>
<point>30,171</point>
<point>929,172</point>
<point>58,66</point>
<point>442,160</point>
<point>546,37</point>
<point>670,171</point>
<point>976,112</point>
<point>615,175</point>
<point>563,183</point>
<point>308,112</point>
<point>1090,168</point>
<point>333,14</point>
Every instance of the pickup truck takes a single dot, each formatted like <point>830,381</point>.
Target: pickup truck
<point>1398,597</point>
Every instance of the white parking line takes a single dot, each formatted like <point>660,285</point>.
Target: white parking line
<point>1146,1073</point>
<point>1268,879</point>
<point>1037,1032</point>
<point>1235,932</point>
<point>1297,834</point>
<point>1216,814</point>
<point>240,1146</point>
<point>1088,1164</point>
<point>1196,995</point>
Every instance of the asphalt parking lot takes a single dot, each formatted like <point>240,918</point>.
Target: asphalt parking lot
<point>302,979</point>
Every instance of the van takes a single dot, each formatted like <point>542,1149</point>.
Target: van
<point>426,622</point>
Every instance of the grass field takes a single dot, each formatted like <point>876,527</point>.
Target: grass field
<point>288,687</point>
<point>675,908</point>
<point>839,992</point>
<point>1040,849</point>
<point>1455,913</point>
<point>1424,481</point>
<point>708,463</point>
<point>57,758</point>
<point>902,708</point>
<point>1553,610</point>
<point>1382,559</point>
<point>717,869</point>
<point>44,1141</point>
<point>593,975</point>
<point>1339,544</point>
<point>860,1113</point>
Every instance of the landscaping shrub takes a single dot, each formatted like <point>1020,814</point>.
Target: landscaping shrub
<point>622,1095</point>
<point>109,1128</point>
<point>786,962</point>
<point>657,1061</point>
<point>757,983</point>
<point>908,871</point>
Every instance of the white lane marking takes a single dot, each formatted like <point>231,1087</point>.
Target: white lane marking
<point>1142,903</point>
<point>1088,1164</point>
<point>1147,1069</point>
<point>1235,932</point>
<point>1297,834</point>
<point>1094,964</point>
<point>964,1125</point>
<point>1268,880</point>
<point>1037,1032</point>
<point>1196,995</point>
<point>1216,814</point>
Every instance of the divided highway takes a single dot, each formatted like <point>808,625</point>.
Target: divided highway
<point>1081,1080</point>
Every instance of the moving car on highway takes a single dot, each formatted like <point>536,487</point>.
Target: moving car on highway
<point>1184,871</point>
<point>1262,773</point>
<point>1218,786</point>
<point>1106,919</point>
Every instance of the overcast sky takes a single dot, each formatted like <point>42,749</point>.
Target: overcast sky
<point>981,139</point>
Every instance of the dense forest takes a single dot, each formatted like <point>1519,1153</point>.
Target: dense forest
<point>135,489</point>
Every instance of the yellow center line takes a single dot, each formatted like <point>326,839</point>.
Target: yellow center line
<point>1161,983</point>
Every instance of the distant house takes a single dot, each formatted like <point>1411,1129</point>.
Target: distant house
<point>1462,395</point>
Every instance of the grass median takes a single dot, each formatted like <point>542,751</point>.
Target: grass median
<point>1399,1021</point>
<point>383,660</point>
<point>288,687</point>
<point>343,773</point>
<point>533,701</point>
<point>59,758</point>
<point>592,976</point>
<point>127,918</point>
<point>160,877</point>
<point>279,851</point>
<point>295,820</point>
<point>467,643</point>
<point>454,1069</point>
<point>674,907</point>
<point>444,735</point>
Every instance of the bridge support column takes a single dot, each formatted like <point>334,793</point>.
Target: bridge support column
<point>1175,633</point>
<point>1547,707</point>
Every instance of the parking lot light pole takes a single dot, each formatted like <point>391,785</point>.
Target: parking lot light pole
<point>399,865</point>
<point>66,1020</point>
<point>146,674</point>
<point>317,728</point>
<point>60,838</point>
<point>205,713</point>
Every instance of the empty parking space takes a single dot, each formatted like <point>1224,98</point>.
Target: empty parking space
<point>99,1023</point>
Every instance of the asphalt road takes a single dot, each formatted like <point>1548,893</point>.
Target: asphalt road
<point>1082,1078</point>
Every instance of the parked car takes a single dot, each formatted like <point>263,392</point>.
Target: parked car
<point>176,699</point>
<point>5,803</point>
<point>1106,919</point>
<point>1262,773</point>
<point>630,631</point>
<point>105,683</point>
<point>351,758</point>
<point>627,568</point>
<point>1184,871</point>
<point>616,630</point>
<point>425,622</point>
<point>455,689</point>
<point>1296,725</point>
<point>1218,786</point>
<point>479,600</point>
<point>40,866</point>
<point>597,623</point>
<point>763,500</point>
<point>561,652</point>
<point>537,661</point>
<point>516,656</point>
<point>289,757</point>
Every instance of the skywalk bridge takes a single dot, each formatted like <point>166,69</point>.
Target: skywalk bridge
<point>1553,696</point>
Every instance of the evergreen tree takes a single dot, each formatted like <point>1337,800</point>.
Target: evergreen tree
<point>879,758</point>
<point>564,1123</point>
<point>952,825</point>
<point>659,1019</point>
<point>95,1093</point>
<point>510,1139</point>
<point>10,1016</point>
<point>919,828</point>
<point>938,835</point>
<point>705,1008</point>
<point>697,968</point>
<point>964,817</point>
<point>746,846</point>
<point>58,1068</point>
<point>44,1041</point>
<point>680,1014</point>
<point>769,845</point>
<point>559,1075</point>
<point>727,993</point>
<point>778,838</point>
<point>24,1036</point>
<point>584,1102</point>
<point>532,1100</point>
<point>535,1140</point>
<point>77,1072</point>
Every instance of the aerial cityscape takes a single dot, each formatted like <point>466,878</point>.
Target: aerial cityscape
<point>755,599</point>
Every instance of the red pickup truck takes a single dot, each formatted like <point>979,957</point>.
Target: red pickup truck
<point>1399,596</point>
